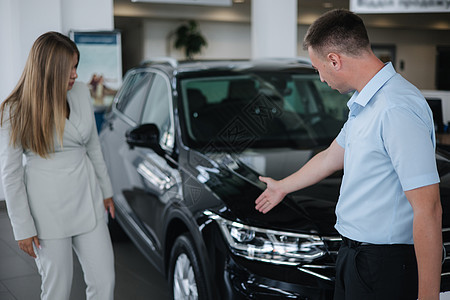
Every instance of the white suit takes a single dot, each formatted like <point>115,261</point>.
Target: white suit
<point>60,197</point>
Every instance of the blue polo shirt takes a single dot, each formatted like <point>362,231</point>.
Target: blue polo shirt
<point>389,144</point>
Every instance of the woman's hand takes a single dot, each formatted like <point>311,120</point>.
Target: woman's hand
<point>109,206</point>
<point>27,245</point>
<point>271,196</point>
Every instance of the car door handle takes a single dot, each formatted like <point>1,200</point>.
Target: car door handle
<point>157,177</point>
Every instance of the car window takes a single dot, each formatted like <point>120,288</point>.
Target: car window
<point>133,95</point>
<point>273,109</point>
<point>157,109</point>
<point>218,89</point>
<point>309,96</point>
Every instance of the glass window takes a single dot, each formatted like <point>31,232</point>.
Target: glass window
<point>158,109</point>
<point>131,99</point>
<point>273,109</point>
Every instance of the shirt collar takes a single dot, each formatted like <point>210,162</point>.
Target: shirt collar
<point>369,90</point>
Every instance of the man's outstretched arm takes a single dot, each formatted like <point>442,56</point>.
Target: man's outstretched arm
<point>317,168</point>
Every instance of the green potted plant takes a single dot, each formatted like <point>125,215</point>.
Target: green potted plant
<point>189,38</point>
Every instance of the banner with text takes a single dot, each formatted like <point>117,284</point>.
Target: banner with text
<point>399,6</point>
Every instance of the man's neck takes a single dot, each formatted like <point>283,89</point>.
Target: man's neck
<point>364,69</point>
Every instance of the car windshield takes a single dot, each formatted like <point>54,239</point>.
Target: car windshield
<point>234,112</point>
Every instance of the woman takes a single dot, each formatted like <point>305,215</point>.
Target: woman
<point>57,196</point>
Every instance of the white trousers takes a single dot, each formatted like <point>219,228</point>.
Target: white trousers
<point>94,251</point>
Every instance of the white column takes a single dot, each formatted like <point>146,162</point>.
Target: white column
<point>274,28</point>
<point>9,37</point>
<point>87,15</point>
<point>8,57</point>
<point>21,22</point>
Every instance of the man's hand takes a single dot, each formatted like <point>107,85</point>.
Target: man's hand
<point>317,168</point>
<point>27,245</point>
<point>271,196</point>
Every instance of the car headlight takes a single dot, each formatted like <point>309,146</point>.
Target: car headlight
<point>277,247</point>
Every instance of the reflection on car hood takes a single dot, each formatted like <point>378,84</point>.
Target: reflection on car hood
<point>234,179</point>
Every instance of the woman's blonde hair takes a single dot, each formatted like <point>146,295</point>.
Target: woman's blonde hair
<point>37,105</point>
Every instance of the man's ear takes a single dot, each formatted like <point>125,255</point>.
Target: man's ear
<point>334,60</point>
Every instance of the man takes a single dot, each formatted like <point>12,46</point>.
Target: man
<point>388,212</point>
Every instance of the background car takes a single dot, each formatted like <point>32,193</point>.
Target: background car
<point>185,143</point>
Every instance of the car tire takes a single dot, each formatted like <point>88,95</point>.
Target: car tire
<point>186,280</point>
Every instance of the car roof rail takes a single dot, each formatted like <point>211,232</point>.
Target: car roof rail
<point>298,59</point>
<point>158,60</point>
<point>304,59</point>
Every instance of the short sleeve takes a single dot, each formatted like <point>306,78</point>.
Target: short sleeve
<point>340,139</point>
<point>409,140</point>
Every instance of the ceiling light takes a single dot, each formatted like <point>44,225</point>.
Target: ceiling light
<point>327,4</point>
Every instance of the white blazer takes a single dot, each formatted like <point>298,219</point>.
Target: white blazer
<point>63,195</point>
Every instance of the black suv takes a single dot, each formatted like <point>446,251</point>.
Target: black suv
<point>185,144</point>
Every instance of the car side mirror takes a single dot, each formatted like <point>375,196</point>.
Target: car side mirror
<point>145,135</point>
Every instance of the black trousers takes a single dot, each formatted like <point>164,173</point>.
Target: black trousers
<point>369,272</point>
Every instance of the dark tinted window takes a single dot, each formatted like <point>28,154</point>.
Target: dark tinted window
<point>158,109</point>
<point>133,94</point>
<point>273,109</point>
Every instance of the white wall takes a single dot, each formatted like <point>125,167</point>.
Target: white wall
<point>21,22</point>
<point>417,49</point>
<point>419,64</point>
<point>225,40</point>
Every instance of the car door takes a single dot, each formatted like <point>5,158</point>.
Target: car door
<point>127,184</point>
<point>154,181</point>
<point>125,114</point>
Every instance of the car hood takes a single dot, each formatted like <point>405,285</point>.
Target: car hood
<point>233,178</point>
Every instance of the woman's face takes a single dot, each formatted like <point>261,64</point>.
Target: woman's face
<point>73,72</point>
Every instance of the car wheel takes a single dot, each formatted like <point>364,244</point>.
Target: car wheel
<point>186,280</point>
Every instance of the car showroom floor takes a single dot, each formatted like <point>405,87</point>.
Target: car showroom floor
<point>19,280</point>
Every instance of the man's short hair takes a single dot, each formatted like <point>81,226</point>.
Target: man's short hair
<point>338,30</point>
